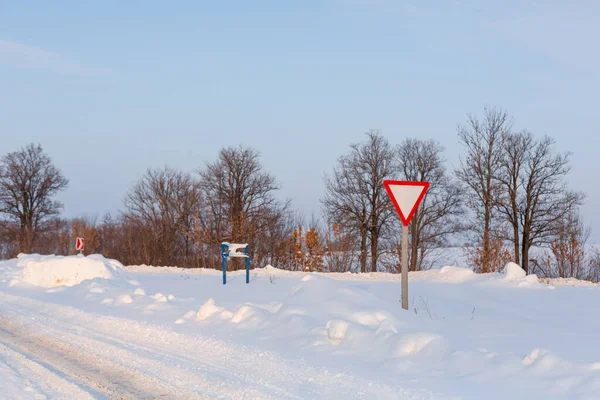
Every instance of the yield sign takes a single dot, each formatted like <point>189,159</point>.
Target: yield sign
<point>406,197</point>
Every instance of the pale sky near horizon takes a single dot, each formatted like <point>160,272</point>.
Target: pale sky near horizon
<point>112,88</point>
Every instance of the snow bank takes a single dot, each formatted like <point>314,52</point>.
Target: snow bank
<point>513,272</point>
<point>469,333</point>
<point>52,271</point>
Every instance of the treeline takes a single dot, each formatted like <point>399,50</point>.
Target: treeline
<point>508,196</point>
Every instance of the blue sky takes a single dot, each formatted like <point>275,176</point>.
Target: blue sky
<point>112,88</point>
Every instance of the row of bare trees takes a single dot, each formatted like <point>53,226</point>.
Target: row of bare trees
<point>356,199</point>
<point>516,187</point>
<point>508,197</point>
<point>170,217</point>
<point>176,218</point>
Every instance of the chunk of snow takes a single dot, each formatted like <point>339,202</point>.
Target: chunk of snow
<point>270,268</point>
<point>513,272</point>
<point>457,274</point>
<point>160,298</point>
<point>529,280</point>
<point>207,309</point>
<point>251,315</point>
<point>189,314</point>
<point>234,247</point>
<point>125,299</point>
<point>53,271</point>
<point>541,360</point>
<point>336,330</point>
<point>370,319</point>
<point>226,314</point>
<point>414,343</point>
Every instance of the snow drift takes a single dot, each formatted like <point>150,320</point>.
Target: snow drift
<point>52,271</point>
<point>513,272</point>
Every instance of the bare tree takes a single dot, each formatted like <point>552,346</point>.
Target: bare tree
<point>546,197</point>
<point>483,143</point>
<point>112,239</point>
<point>8,243</point>
<point>28,183</point>
<point>568,258</point>
<point>269,245</point>
<point>593,273</point>
<point>513,159</point>
<point>355,196</point>
<point>437,216</point>
<point>340,245</point>
<point>241,186</point>
<point>240,199</point>
<point>345,203</point>
<point>162,205</point>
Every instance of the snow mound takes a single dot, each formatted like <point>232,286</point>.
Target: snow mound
<point>250,315</point>
<point>456,274</point>
<point>208,309</point>
<point>270,268</point>
<point>541,360</point>
<point>529,280</point>
<point>372,319</point>
<point>53,271</point>
<point>420,342</point>
<point>125,299</point>
<point>160,298</point>
<point>513,272</point>
<point>336,330</point>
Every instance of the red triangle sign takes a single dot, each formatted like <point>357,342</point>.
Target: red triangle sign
<point>406,197</point>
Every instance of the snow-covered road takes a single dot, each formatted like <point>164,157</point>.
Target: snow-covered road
<point>87,327</point>
<point>60,352</point>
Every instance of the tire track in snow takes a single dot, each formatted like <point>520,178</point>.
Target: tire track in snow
<point>118,372</point>
<point>37,381</point>
<point>204,365</point>
<point>99,378</point>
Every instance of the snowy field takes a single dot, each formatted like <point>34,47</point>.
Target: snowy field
<point>85,327</point>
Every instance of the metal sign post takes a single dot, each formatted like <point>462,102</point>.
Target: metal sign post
<point>247,265</point>
<point>406,197</point>
<point>405,267</point>
<point>229,250</point>
<point>224,256</point>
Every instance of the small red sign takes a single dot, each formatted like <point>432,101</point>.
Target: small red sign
<point>79,244</point>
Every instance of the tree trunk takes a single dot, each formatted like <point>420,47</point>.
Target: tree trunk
<point>525,256</point>
<point>374,250</point>
<point>26,240</point>
<point>516,242</point>
<point>525,243</point>
<point>515,220</point>
<point>363,250</point>
<point>414,245</point>
<point>486,248</point>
